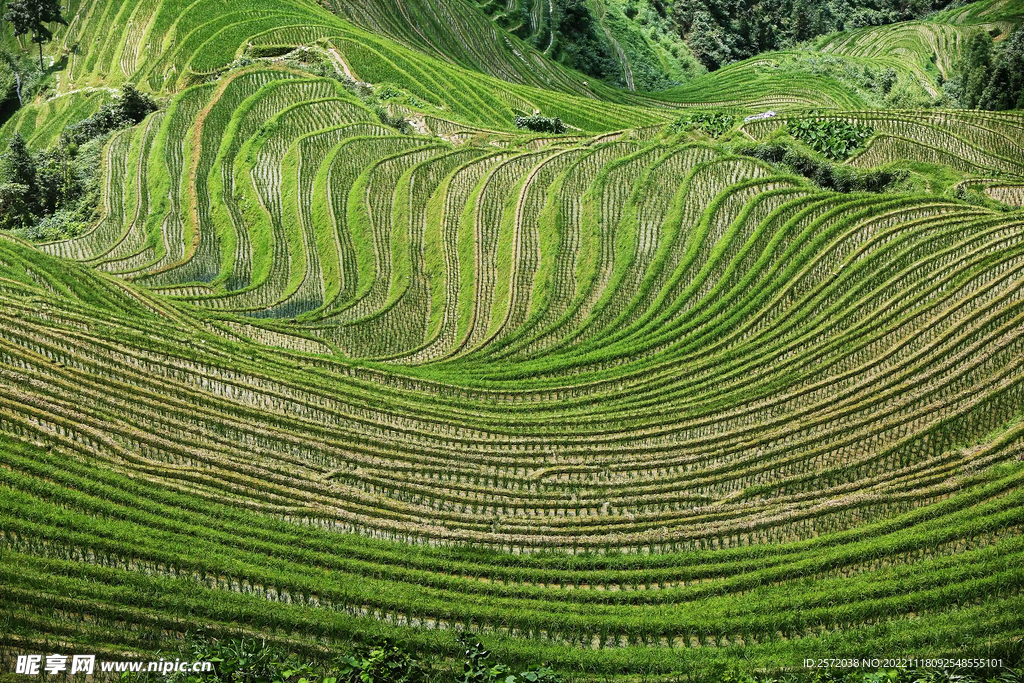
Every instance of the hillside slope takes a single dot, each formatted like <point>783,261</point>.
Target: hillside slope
<point>349,356</point>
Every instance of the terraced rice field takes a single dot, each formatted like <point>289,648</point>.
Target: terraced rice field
<point>929,44</point>
<point>757,85</point>
<point>615,400</point>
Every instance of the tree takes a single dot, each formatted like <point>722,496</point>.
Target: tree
<point>974,70</point>
<point>15,211</point>
<point>31,16</point>
<point>58,183</point>
<point>133,105</point>
<point>8,77</point>
<point>578,42</point>
<point>1005,88</point>
<point>707,41</point>
<point>17,165</point>
<point>801,23</point>
<point>18,180</point>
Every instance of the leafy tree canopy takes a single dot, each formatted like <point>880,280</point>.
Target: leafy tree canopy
<point>127,110</point>
<point>17,165</point>
<point>540,124</point>
<point>1005,87</point>
<point>31,16</point>
<point>990,78</point>
<point>723,31</point>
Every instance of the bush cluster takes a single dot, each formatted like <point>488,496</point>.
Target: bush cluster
<point>714,124</point>
<point>879,87</point>
<point>540,124</point>
<point>834,138</point>
<point>723,31</point>
<point>127,110</point>
<point>477,669</point>
<point>823,173</point>
<point>53,193</point>
<point>251,661</point>
<point>396,121</point>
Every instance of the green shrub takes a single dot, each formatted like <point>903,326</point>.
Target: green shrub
<point>255,661</point>
<point>714,124</point>
<point>823,173</point>
<point>540,124</point>
<point>387,92</point>
<point>15,206</point>
<point>477,669</point>
<point>834,138</point>
<point>393,120</point>
<point>127,110</point>
<point>58,226</point>
<point>52,194</point>
<point>264,51</point>
<point>383,663</point>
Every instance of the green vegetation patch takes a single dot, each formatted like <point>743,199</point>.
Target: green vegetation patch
<point>825,174</point>
<point>990,77</point>
<point>835,139</point>
<point>54,193</point>
<point>714,124</point>
<point>540,124</point>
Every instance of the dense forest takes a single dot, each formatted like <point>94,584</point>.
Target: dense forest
<point>715,33</point>
<point>990,76</point>
<point>723,31</point>
<point>582,33</point>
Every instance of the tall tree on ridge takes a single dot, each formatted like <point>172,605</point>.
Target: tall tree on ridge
<point>31,16</point>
